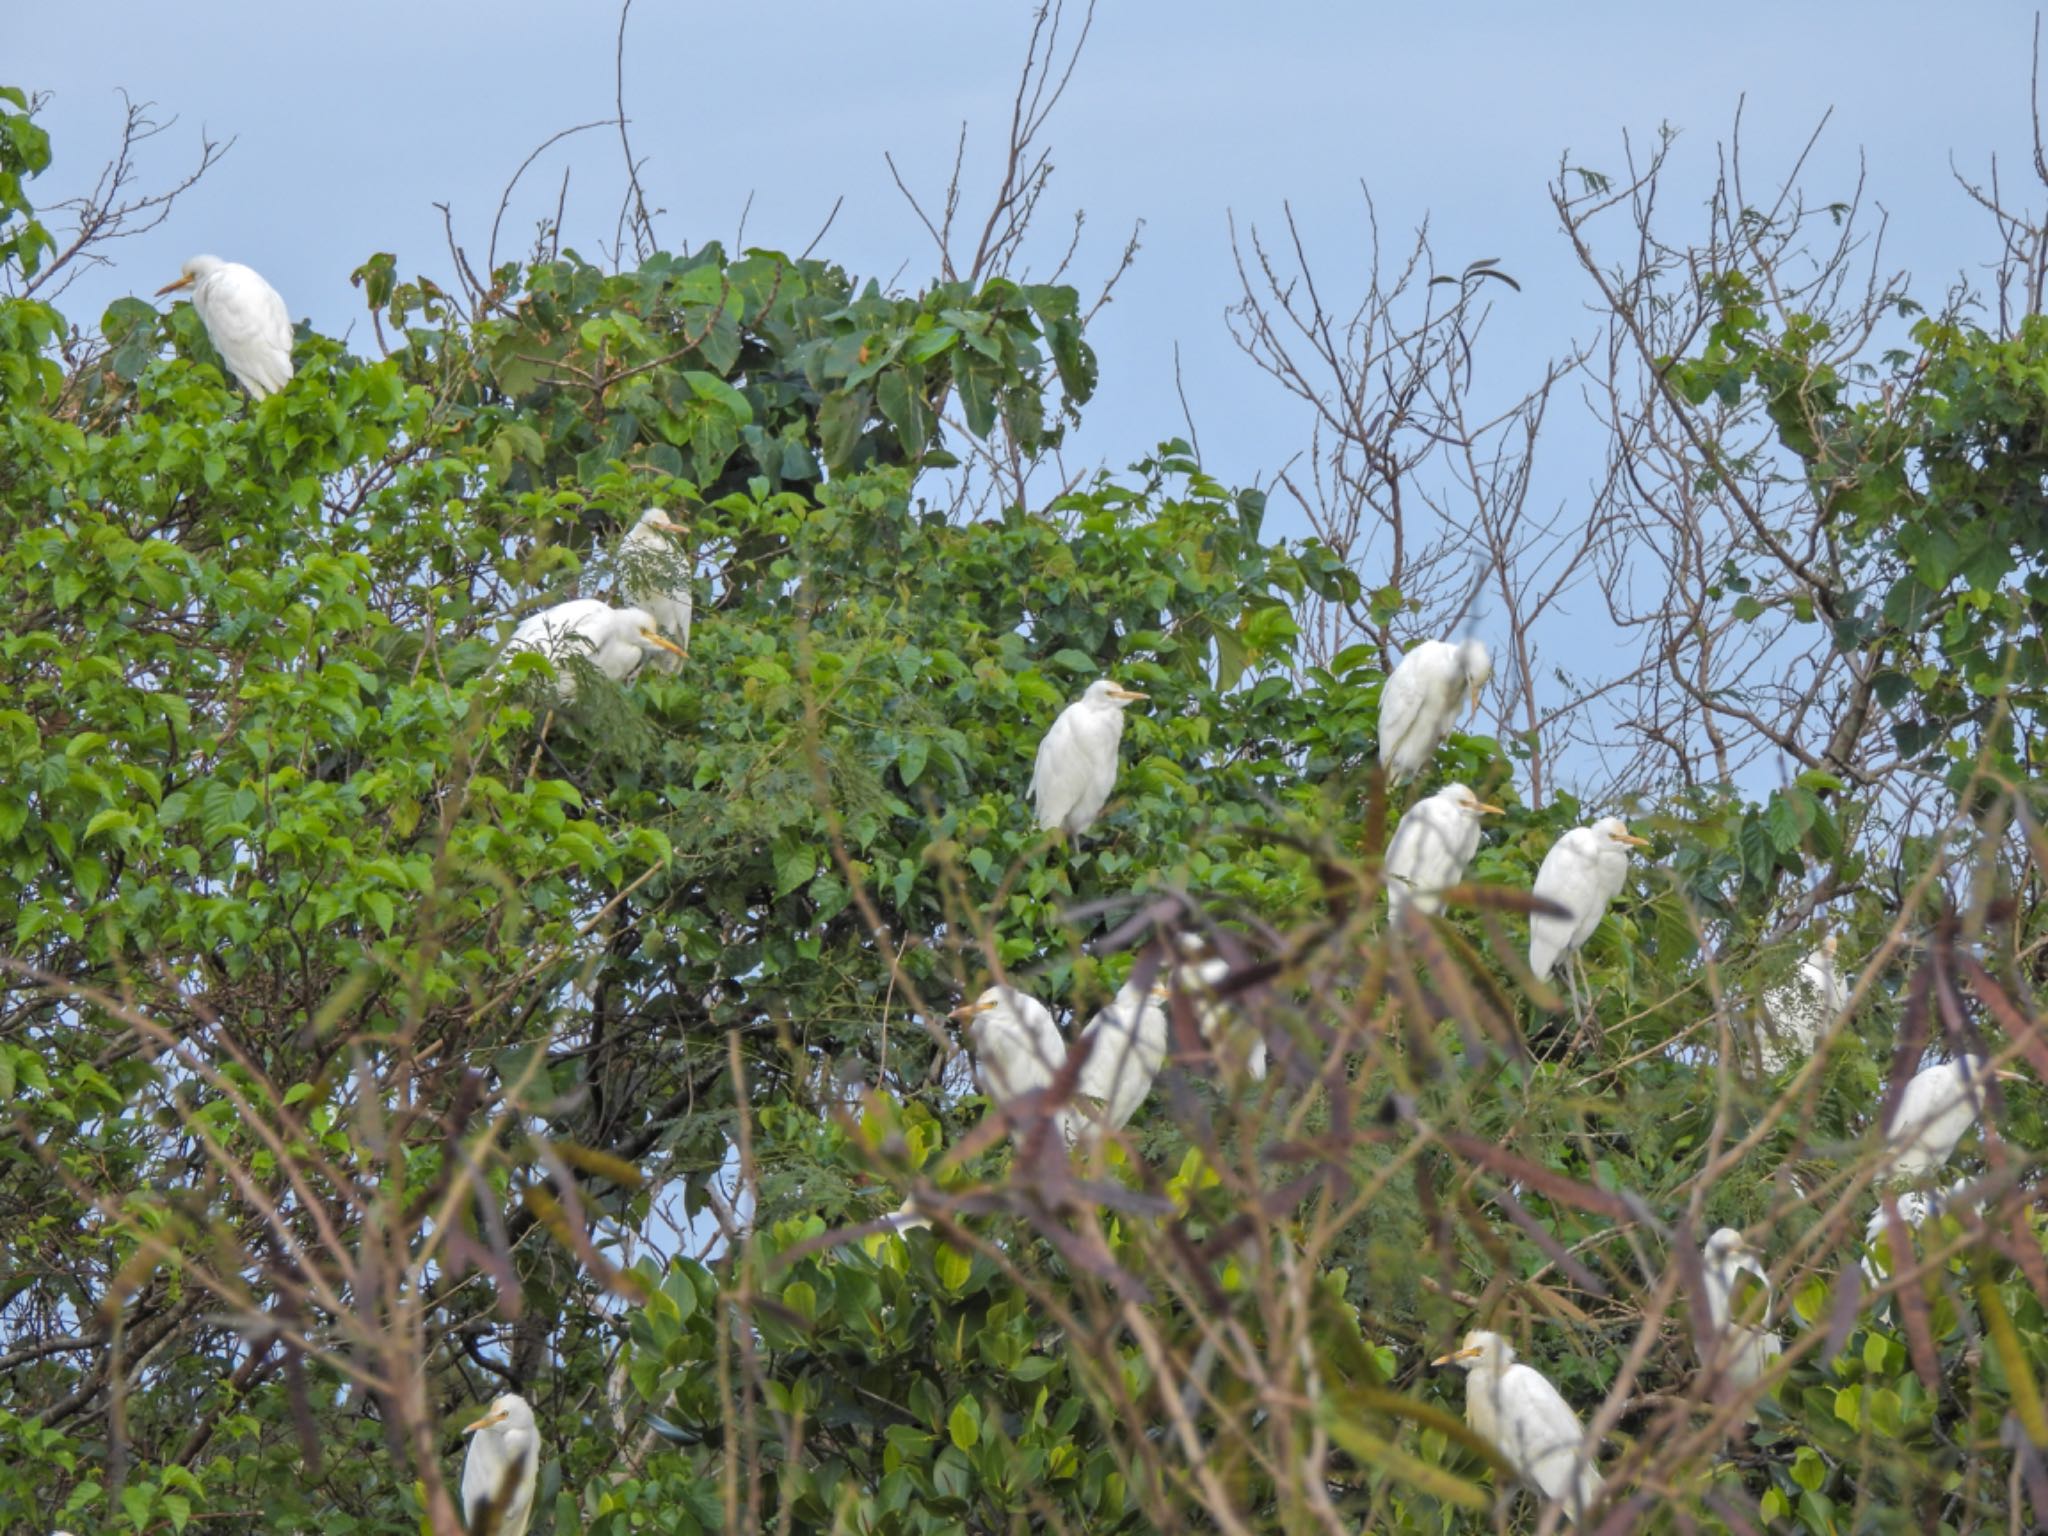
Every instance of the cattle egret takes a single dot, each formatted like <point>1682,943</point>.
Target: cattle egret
<point>498,1473</point>
<point>1583,872</point>
<point>1016,1046</point>
<point>1914,1207</point>
<point>613,640</point>
<point>1421,701</point>
<point>1431,846</point>
<point>245,319</point>
<point>1527,1420</point>
<point>1796,1015</point>
<point>1195,979</point>
<point>658,579</point>
<point>1076,766</point>
<point>1937,1109</point>
<point>1126,1045</point>
<point>1744,1349</point>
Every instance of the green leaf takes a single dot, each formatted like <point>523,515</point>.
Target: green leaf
<point>795,862</point>
<point>963,1424</point>
<point>910,759</point>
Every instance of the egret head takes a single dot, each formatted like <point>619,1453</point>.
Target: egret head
<point>1476,666</point>
<point>1103,694</point>
<point>1462,800</point>
<point>660,521</point>
<point>1828,944</point>
<point>509,1415</point>
<point>1616,830</point>
<point>643,632</point>
<point>967,1013</point>
<point>1726,1250</point>
<point>194,270</point>
<point>1480,1348</point>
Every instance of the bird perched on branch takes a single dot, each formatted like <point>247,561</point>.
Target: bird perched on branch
<point>1937,1109</point>
<point>499,1472</point>
<point>1421,702</point>
<point>1583,873</point>
<point>245,319</point>
<point>1016,1046</point>
<point>1797,1014</point>
<point>1077,763</point>
<point>1745,1348</point>
<point>613,640</point>
<point>1527,1420</point>
<point>1432,844</point>
<point>1126,1046</point>
<point>658,579</point>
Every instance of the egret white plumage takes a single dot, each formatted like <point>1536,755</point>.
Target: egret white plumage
<point>245,319</point>
<point>1195,979</point>
<point>613,640</point>
<point>1421,702</point>
<point>1744,1348</point>
<point>1797,1014</point>
<point>1583,873</point>
<point>1017,1048</point>
<point>1126,1045</point>
<point>1528,1421</point>
<point>1937,1109</point>
<point>1076,767</point>
<point>1914,1206</point>
<point>1432,843</point>
<point>502,1465</point>
<point>658,578</point>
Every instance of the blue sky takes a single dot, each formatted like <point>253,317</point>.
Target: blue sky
<point>351,122</point>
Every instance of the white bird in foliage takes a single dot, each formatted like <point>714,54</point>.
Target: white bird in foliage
<point>613,640</point>
<point>658,578</point>
<point>1076,767</point>
<point>1017,1048</point>
<point>1744,1347</point>
<point>499,1472</point>
<point>1432,844</point>
<point>245,318</point>
<point>1583,873</point>
<point>1936,1110</point>
<point>1527,1420</point>
<point>1421,701</point>
<point>1195,979</point>
<point>1796,1015</point>
<point>1126,1046</point>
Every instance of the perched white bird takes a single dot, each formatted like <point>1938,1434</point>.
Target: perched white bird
<point>1195,979</point>
<point>1432,844</point>
<point>1796,1015</point>
<point>1076,766</point>
<point>1745,1349</point>
<point>658,579</point>
<point>1937,1109</point>
<point>1016,1046</point>
<point>1527,1419</point>
<point>1126,1045</point>
<point>1421,701</point>
<point>245,318</point>
<point>500,1469</point>
<point>1583,872</point>
<point>613,640</point>
<point>1915,1206</point>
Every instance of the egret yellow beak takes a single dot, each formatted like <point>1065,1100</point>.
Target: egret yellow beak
<point>1125,693</point>
<point>1487,810</point>
<point>1473,707</point>
<point>485,1422</point>
<point>664,525</point>
<point>2007,1075</point>
<point>664,642</point>
<point>1455,1356</point>
<point>967,1011</point>
<point>183,282</point>
<point>1631,839</point>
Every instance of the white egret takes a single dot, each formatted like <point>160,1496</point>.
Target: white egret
<point>1527,1420</point>
<point>658,579</point>
<point>1076,767</point>
<point>1017,1048</point>
<point>1126,1045</point>
<point>1936,1110</point>
<point>245,318</point>
<point>1796,1015</point>
<point>1432,844</point>
<point>613,640</point>
<point>1583,872</point>
<point>1915,1206</point>
<point>1195,979</point>
<point>1744,1349</point>
<point>501,1467</point>
<point>1420,703</point>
